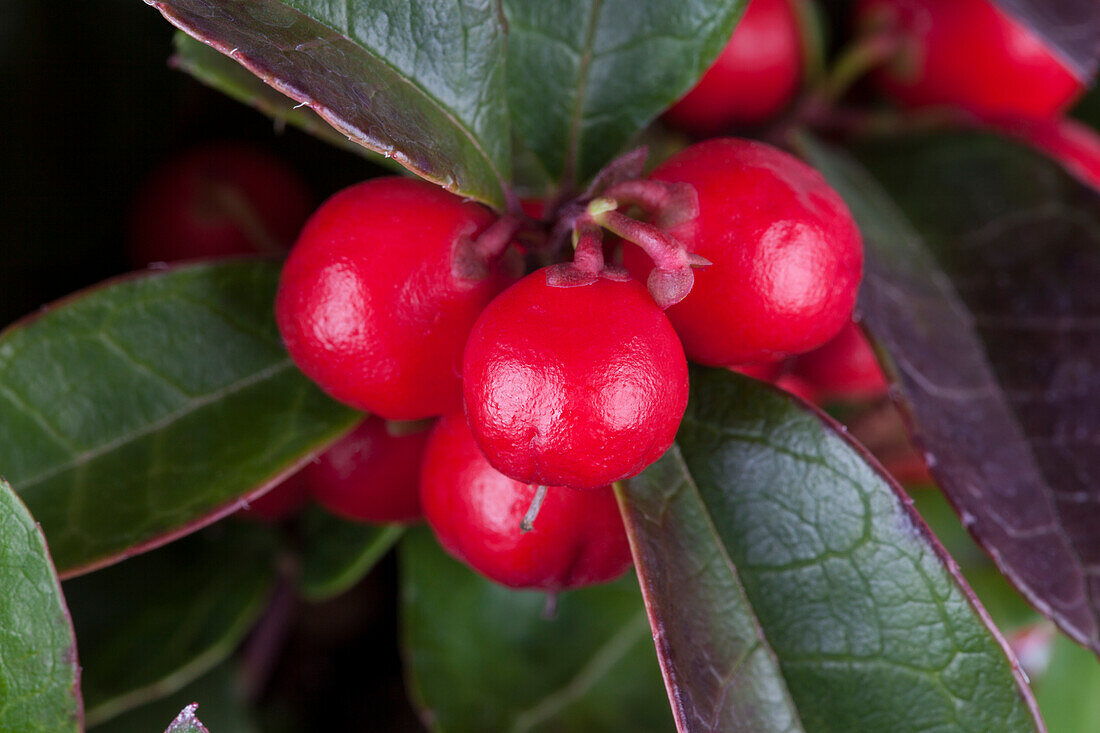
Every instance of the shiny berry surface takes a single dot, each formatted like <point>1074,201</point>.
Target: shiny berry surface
<point>371,475</point>
<point>368,304</point>
<point>968,54</point>
<point>475,511</point>
<point>217,200</point>
<point>755,76</point>
<point>574,386</point>
<point>787,256</point>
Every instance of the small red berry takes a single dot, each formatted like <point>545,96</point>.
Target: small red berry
<point>786,255</point>
<point>475,511</point>
<point>755,76</point>
<point>968,54</point>
<point>371,475</point>
<point>844,368</point>
<point>369,304</point>
<point>216,200</point>
<point>280,502</point>
<point>574,386</point>
<point>799,387</point>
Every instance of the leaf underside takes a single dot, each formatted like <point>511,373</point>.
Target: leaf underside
<point>145,408</point>
<point>791,586</point>
<point>983,259</point>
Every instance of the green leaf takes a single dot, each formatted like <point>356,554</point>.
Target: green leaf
<point>416,80</point>
<point>1069,689</point>
<point>39,674</point>
<point>149,406</point>
<point>336,553</point>
<point>482,657</point>
<point>154,623</point>
<point>217,695</point>
<point>818,600</point>
<point>227,76</point>
<point>585,76</point>
<point>187,722</point>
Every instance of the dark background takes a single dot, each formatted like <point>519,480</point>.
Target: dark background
<point>92,108</point>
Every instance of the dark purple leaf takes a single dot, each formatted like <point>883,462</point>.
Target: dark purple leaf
<point>983,287</point>
<point>1072,27</point>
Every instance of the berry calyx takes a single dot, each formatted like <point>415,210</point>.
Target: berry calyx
<point>216,200</point>
<point>370,475</point>
<point>755,76</point>
<point>573,386</point>
<point>968,54</point>
<point>845,368</point>
<point>380,291</point>
<point>787,256</point>
<point>475,512</point>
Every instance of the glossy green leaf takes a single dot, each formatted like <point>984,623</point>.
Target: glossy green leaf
<point>150,625</point>
<point>187,721</point>
<point>142,409</point>
<point>219,699</point>
<point>337,553</point>
<point>585,76</point>
<point>221,72</point>
<point>818,600</point>
<point>416,80</point>
<point>482,657</point>
<point>39,674</point>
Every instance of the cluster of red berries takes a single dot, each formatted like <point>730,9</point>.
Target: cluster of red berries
<point>404,301</point>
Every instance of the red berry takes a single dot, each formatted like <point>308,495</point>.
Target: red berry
<point>475,511</point>
<point>574,386</point>
<point>766,372</point>
<point>369,305</point>
<point>968,54</point>
<point>844,368</point>
<point>799,387</point>
<point>280,502</point>
<point>216,200</point>
<point>787,256</point>
<point>754,77</point>
<point>371,475</point>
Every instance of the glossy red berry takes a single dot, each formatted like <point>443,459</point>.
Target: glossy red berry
<point>371,475</point>
<point>968,54</point>
<point>574,386</point>
<point>369,304</point>
<point>280,502</point>
<point>844,368</point>
<point>475,511</point>
<point>755,76</point>
<point>786,255</point>
<point>217,200</point>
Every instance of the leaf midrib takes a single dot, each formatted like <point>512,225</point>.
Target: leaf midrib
<point>127,439</point>
<point>446,111</point>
